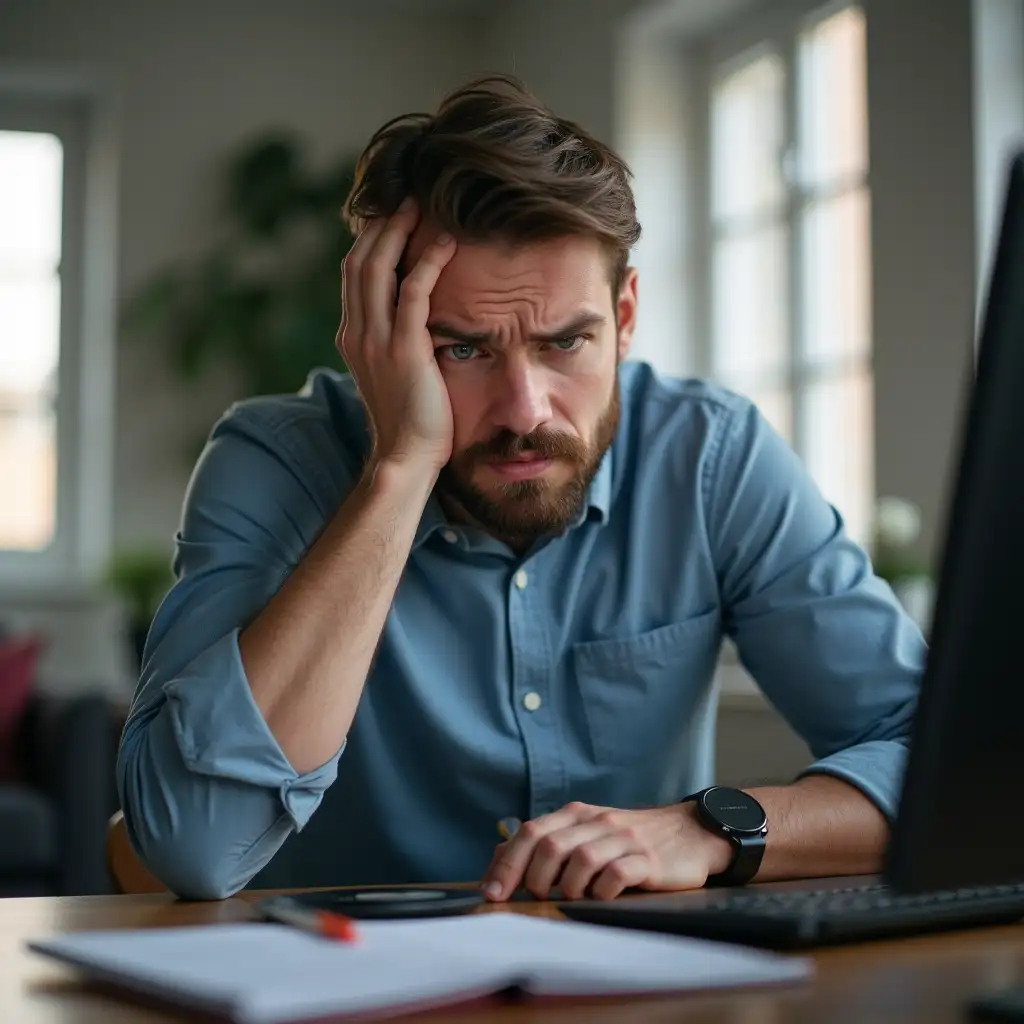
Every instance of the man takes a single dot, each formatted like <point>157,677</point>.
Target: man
<point>487,575</point>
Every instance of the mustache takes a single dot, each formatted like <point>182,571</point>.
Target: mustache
<point>546,444</point>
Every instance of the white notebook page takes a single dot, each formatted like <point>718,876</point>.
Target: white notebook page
<point>268,973</point>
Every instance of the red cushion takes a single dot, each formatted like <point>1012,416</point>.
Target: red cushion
<point>18,660</point>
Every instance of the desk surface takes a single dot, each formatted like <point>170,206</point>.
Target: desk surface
<point>923,979</point>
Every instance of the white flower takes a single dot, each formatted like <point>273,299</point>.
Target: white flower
<point>897,522</point>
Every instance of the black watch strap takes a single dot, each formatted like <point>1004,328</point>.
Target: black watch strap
<point>738,817</point>
<point>749,851</point>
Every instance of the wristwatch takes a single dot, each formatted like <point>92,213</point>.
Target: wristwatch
<point>739,818</point>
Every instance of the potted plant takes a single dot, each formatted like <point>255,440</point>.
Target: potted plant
<point>140,577</point>
<point>266,296</point>
<point>896,527</point>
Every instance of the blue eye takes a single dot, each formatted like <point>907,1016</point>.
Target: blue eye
<point>461,352</point>
<point>570,344</point>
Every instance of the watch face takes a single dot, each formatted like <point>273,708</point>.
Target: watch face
<point>735,809</point>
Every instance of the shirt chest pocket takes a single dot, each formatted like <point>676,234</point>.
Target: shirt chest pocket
<point>639,692</point>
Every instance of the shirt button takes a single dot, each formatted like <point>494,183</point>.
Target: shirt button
<point>521,579</point>
<point>531,701</point>
<point>451,536</point>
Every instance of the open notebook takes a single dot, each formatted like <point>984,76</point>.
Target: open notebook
<point>268,973</point>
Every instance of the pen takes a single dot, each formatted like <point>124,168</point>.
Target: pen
<point>508,827</point>
<point>324,923</point>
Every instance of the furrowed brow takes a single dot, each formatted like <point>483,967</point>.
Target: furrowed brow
<point>579,324</point>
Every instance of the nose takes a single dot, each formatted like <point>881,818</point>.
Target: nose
<point>522,403</point>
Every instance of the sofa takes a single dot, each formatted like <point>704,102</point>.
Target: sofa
<point>54,813</point>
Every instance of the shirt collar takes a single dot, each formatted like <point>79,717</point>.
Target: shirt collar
<point>430,522</point>
<point>599,499</point>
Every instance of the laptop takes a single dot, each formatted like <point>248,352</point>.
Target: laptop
<point>956,852</point>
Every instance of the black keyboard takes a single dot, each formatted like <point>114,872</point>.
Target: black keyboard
<point>805,918</point>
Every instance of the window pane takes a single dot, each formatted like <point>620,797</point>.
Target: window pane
<point>29,336</point>
<point>747,137</point>
<point>749,304</point>
<point>31,171</point>
<point>838,434</point>
<point>28,467</point>
<point>835,239</point>
<point>833,99</point>
<point>31,183</point>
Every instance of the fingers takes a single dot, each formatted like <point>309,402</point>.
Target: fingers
<point>499,852</point>
<point>632,870</point>
<point>353,318</point>
<point>414,300</point>
<point>370,283</point>
<point>558,850</point>
<point>590,859</point>
<point>513,858</point>
<point>378,278</point>
<point>585,849</point>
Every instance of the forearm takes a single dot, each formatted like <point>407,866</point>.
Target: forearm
<point>307,654</point>
<point>820,826</point>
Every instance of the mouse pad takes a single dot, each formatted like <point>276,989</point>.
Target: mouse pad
<point>382,902</point>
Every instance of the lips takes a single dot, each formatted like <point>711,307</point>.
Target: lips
<point>520,467</point>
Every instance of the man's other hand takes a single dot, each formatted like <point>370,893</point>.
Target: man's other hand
<point>591,851</point>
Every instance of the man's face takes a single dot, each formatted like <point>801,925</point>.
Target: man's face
<point>528,341</point>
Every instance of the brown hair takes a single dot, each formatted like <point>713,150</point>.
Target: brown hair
<point>495,164</point>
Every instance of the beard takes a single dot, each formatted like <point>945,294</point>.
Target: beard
<point>520,512</point>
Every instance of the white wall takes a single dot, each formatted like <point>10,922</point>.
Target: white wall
<point>564,50</point>
<point>656,126</point>
<point>920,94</point>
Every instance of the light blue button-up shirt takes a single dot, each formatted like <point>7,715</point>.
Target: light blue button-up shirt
<point>505,685</point>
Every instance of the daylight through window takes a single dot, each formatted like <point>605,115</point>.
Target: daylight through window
<point>31,190</point>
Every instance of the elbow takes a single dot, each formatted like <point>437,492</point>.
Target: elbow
<point>186,830</point>
<point>896,726</point>
<point>892,726</point>
<point>196,882</point>
<point>190,869</point>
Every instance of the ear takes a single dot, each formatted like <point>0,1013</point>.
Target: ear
<point>626,311</point>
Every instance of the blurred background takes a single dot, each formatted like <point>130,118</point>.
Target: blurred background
<point>818,184</point>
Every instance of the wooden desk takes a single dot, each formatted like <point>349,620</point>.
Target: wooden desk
<point>913,981</point>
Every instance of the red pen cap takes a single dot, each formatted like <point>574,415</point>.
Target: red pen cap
<point>336,926</point>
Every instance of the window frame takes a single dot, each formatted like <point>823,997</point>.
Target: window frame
<point>758,34</point>
<point>71,110</point>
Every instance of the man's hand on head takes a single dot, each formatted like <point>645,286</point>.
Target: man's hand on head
<point>385,343</point>
<point>591,851</point>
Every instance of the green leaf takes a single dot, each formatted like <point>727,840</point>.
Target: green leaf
<point>153,305</point>
<point>140,577</point>
<point>264,185</point>
<point>265,296</point>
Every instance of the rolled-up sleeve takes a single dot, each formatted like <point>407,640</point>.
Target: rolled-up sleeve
<point>207,793</point>
<point>824,637</point>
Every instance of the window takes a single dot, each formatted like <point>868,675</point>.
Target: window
<point>46,439</point>
<point>790,261</point>
<point>31,189</point>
